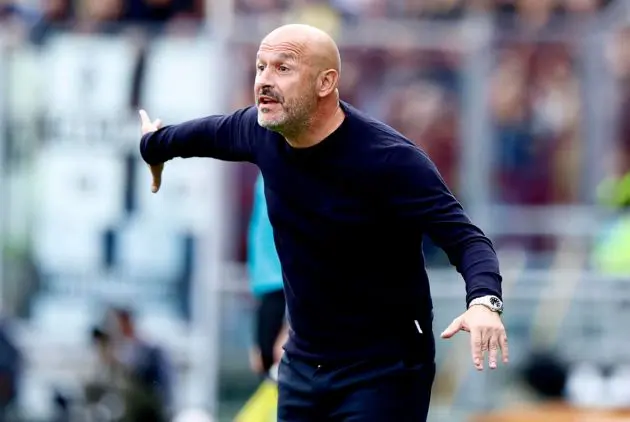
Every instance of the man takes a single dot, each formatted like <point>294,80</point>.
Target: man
<point>265,275</point>
<point>349,199</point>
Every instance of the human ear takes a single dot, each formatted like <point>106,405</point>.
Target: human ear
<point>327,82</point>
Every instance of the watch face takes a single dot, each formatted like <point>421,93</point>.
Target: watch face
<point>495,302</point>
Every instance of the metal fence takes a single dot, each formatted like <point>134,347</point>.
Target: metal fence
<point>522,126</point>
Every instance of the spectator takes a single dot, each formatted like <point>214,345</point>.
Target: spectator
<point>611,254</point>
<point>101,16</point>
<point>107,378</point>
<point>54,15</point>
<point>318,13</point>
<point>164,15</point>
<point>15,21</point>
<point>147,369</point>
<point>10,371</point>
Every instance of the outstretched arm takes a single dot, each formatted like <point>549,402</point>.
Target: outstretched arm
<point>224,137</point>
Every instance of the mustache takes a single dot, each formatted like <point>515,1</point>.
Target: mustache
<point>268,92</point>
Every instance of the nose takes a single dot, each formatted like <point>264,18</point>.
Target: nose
<point>263,80</point>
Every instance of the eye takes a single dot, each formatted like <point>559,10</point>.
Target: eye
<point>283,68</point>
<point>260,67</point>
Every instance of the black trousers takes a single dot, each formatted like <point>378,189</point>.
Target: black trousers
<point>359,391</point>
<point>270,317</point>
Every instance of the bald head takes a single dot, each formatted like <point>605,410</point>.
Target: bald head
<point>314,45</point>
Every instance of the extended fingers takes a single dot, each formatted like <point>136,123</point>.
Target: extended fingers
<point>476,346</point>
<point>490,341</point>
<point>493,347</point>
<point>144,117</point>
<point>503,342</point>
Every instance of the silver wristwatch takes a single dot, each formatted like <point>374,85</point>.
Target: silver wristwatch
<point>491,302</point>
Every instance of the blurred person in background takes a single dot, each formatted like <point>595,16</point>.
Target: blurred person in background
<point>147,370</point>
<point>319,13</point>
<point>54,15</point>
<point>535,107</point>
<point>115,388</point>
<point>271,329</point>
<point>161,16</point>
<point>527,15</point>
<point>104,382</point>
<point>611,254</point>
<point>16,20</point>
<point>131,377</point>
<point>100,16</point>
<point>16,11</point>
<point>10,372</point>
<point>160,11</point>
<point>421,111</point>
<point>435,9</point>
<point>265,275</point>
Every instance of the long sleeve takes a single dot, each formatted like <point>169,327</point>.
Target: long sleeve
<point>224,137</point>
<point>422,201</point>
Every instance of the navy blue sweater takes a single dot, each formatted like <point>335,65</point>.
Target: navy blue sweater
<point>348,215</point>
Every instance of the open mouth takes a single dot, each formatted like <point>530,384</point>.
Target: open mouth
<point>266,100</point>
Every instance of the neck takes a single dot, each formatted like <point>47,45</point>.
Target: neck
<point>322,124</point>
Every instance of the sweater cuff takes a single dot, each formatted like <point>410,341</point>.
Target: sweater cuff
<point>148,158</point>
<point>483,285</point>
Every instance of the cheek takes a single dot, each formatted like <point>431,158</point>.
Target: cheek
<point>295,91</point>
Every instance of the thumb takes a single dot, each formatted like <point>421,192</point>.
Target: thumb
<point>157,123</point>
<point>156,173</point>
<point>452,329</point>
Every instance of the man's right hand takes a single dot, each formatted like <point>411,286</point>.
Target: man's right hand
<point>156,170</point>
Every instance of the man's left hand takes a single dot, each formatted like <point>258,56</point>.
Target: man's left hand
<point>487,334</point>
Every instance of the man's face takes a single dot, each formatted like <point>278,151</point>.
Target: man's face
<point>284,88</point>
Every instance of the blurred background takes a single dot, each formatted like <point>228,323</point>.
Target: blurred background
<point>523,105</point>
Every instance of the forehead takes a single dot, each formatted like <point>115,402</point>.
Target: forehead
<point>282,51</point>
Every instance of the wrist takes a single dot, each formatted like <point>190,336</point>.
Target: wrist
<point>491,302</point>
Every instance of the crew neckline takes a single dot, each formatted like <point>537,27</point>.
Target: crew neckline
<point>328,142</point>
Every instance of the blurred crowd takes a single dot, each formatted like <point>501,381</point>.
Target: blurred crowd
<point>536,87</point>
<point>536,13</point>
<point>35,19</point>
